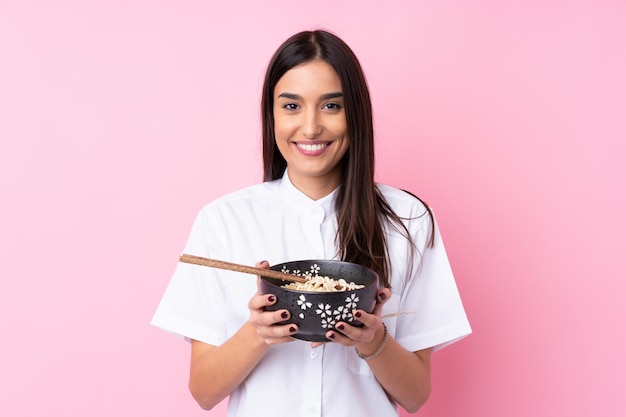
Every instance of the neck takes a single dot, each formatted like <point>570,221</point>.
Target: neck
<point>315,188</point>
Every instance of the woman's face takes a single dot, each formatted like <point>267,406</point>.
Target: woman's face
<point>310,126</point>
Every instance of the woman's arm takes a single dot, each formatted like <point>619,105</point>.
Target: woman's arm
<point>404,375</point>
<point>217,370</point>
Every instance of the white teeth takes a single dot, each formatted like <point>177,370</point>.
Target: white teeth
<point>314,147</point>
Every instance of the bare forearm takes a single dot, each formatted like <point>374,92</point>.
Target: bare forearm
<point>404,375</point>
<point>217,371</point>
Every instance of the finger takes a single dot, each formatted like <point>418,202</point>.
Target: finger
<point>260,316</point>
<point>263,265</point>
<point>277,334</point>
<point>259,301</point>
<point>337,336</point>
<point>347,334</point>
<point>371,320</point>
<point>381,298</point>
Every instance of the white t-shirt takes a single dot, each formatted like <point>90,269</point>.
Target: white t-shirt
<point>274,221</point>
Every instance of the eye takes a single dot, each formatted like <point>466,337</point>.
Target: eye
<point>290,106</point>
<point>332,106</point>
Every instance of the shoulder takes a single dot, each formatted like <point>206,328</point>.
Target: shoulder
<point>245,197</point>
<point>403,203</point>
<point>236,210</point>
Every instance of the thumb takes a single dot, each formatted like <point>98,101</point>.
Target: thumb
<point>262,265</point>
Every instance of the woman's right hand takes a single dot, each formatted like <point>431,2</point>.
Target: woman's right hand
<point>267,323</point>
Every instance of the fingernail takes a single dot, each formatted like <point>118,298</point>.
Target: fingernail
<point>271,298</point>
<point>284,315</point>
<point>331,336</point>
<point>358,314</point>
<point>292,329</point>
<point>341,327</point>
<point>382,296</point>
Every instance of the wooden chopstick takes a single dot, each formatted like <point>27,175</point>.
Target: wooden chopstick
<point>214,263</point>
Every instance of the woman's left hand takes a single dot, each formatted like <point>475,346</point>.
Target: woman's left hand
<point>349,335</point>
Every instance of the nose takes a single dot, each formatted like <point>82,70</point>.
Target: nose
<point>312,126</point>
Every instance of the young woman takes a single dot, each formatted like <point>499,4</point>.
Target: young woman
<point>318,201</point>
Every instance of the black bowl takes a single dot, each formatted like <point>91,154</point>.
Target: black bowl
<point>317,312</point>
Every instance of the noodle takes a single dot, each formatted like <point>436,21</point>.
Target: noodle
<point>321,283</point>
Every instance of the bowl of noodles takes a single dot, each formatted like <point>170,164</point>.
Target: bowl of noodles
<point>333,291</point>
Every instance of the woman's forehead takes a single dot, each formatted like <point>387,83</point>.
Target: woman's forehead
<point>312,77</point>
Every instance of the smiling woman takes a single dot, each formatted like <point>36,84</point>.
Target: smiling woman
<point>318,201</point>
<point>310,127</point>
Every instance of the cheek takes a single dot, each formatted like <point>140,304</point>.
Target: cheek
<point>279,135</point>
<point>284,128</point>
<point>338,126</point>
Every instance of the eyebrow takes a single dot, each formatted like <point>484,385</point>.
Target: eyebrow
<point>326,96</point>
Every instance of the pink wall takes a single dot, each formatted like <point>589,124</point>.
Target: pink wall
<point>119,119</point>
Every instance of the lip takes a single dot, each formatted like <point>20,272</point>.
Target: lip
<point>312,148</point>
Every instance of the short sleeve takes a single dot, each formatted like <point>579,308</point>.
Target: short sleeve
<point>192,306</point>
<point>437,317</point>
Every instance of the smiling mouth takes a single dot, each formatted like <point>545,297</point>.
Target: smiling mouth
<point>312,147</point>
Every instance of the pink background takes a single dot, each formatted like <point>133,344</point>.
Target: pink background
<point>119,119</point>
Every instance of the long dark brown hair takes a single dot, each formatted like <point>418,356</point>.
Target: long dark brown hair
<point>362,211</point>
